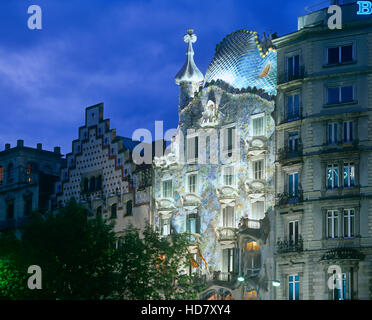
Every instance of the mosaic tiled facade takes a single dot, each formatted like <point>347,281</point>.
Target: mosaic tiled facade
<point>216,183</point>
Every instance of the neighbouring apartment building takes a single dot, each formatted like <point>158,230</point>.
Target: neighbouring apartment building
<point>101,175</point>
<point>215,182</point>
<point>27,177</point>
<point>323,212</point>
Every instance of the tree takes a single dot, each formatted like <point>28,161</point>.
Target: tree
<point>77,256</point>
<point>152,267</point>
<point>79,259</point>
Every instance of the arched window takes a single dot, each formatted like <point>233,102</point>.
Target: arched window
<point>1,175</point>
<point>10,173</point>
<point>129,208</point>
<point>114,211</point>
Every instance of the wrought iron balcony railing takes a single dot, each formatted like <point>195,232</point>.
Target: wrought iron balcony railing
<point>290,198</point>
<point>289,153</point>
<point>296,75</point>
<point>284,246</point>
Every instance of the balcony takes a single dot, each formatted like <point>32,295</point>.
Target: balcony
<point>285,246</point>
<point>286,198</point>
<point>226,234</point>
<point>224,276</point>
<point>343,254</point>
<point>288,153</point>
<point>285,77</point>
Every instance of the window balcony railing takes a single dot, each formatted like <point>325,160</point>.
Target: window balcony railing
<point>285,246</point>
<point>290,198</point>
<point>286,77</point>
<point>226,234</point>
<point>289,153</point>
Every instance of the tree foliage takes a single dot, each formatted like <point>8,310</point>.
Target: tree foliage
<point>79,259</point>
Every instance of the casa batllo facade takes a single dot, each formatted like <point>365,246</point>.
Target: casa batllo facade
<point>215,182</point>
<point>101,175</point>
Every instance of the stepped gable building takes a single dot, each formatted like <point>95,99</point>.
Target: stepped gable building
<point>215,183</point>
<point>323,220</point>
<point>101,175</point>
<point>27,177</point>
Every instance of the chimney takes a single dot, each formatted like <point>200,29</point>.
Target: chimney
<point>20,143</point>
<point>57,150</point>
<point>39,146</point>
<point>7,146</point>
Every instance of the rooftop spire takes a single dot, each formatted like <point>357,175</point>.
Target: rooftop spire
<point>189,72</point>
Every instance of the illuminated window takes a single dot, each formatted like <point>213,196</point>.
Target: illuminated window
<point>332,176</point>
<point>332,224</point>
<point>1,175</point>
<point>251,295</point>
<point>294,287</point>
<point>349,223</point>
<point>228,217</point>
<point>252,254</point>
<point>228,176</point>
<point>349,174</point>
<point>258,167</point>
<point>167,189</point>
<point>341,286</point>
<point>258,126</point>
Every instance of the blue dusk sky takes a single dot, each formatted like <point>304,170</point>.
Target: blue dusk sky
<point>120,52</point>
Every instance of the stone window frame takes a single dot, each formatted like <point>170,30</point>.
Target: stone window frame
<point>337,43</point>
<point>340,162</point>
<point>340,209</point>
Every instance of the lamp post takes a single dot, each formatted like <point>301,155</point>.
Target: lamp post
<point>275,283</point>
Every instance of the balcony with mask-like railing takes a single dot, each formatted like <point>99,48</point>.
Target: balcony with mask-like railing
<point>226,234</point>
<point>292,245</point>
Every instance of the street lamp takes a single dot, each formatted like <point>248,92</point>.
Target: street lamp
<point>275,283</point>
